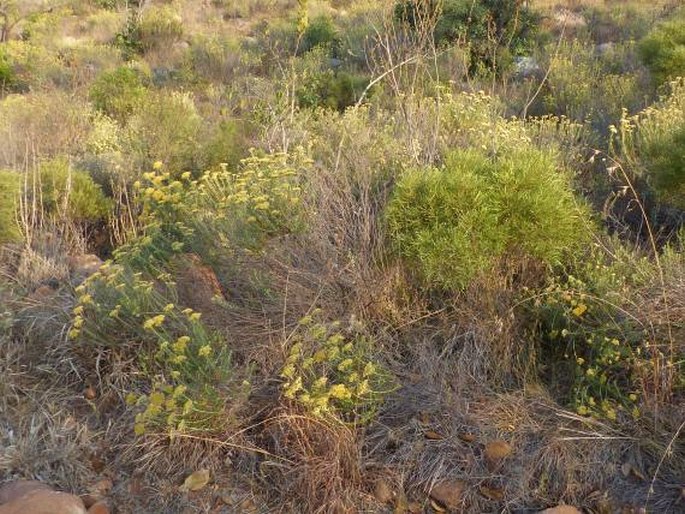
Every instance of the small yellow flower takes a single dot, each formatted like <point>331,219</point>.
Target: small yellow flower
<point>86,299</point>
<point>205,351</point>
<point>157,165</point>
<point>580,361</point>
<point>195,316</point>
<point>73,333</point>
<point>168,307</point>
<point>185,175</point>
<point>582,410</point>
<point>78,310</point>
<point>633,397</point>
<point>340,392</point>
<point>78,322</point>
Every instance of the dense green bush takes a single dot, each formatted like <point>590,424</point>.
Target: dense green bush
<point>453,223</point>
<point>320,32</point>
<point>71,193</point>
<point>332,90</point>
<point>166,127</point>
<point>10,188</point>
<point>117,93</point>
<point>653,144</point>
<point>663,50</point>
<point>160,27</point>
<point>490,27</point>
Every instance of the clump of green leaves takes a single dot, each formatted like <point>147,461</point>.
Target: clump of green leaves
<point>489,27</point>
<point>119,92</point>
<point>653,144</point>
<point>453,223</point>
<point>663,49</point>
<point>71,193</point>
<point>330,370</point>
<point>593,350</point>
<point>10,189</point>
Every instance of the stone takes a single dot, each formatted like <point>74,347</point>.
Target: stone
<point>383,492</point>
<point>496,451</point>
<point>12,490</point>
<point>448,493</point>
<point>561,509</point>
<point>83,266</point>
<point>100,507</point>
<point>44,501</point>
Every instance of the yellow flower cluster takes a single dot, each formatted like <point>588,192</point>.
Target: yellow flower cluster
<point>328,374</point>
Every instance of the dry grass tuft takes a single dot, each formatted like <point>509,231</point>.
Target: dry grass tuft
<point>321,464</point>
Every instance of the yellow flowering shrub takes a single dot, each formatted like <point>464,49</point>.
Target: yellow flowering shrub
<point>185,362</point>
<point>591,348</point>
<point>329,372</point>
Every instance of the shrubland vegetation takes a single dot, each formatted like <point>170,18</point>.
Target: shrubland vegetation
<point>353,254</point>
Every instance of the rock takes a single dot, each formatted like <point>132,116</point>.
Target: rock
<point>44,501</point>
<point>561,509</point>
<point>12,490</point>
<point>527,66</point>
<point>100,507</point>
<point>414,507</point>
<point>448,493</point>
<point>197,284</point>
<point>102,487</point>
<point>496,452</point>
<point>43,294</point>
<point>383,492</point>
<point>83,266</point>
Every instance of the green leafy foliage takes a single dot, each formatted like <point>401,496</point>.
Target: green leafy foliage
<point>504,27</point>
<point>159,27</point>
<point>653,143</point>
<point>119,92</point>
<point>320,32</point>
<point>453,223</point>
<point>10,189</point>
<point>71,193</point>
<point>592,348</point>
<point>663,49</point>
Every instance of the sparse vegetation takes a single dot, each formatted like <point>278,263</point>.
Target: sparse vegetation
<point>343,256</point>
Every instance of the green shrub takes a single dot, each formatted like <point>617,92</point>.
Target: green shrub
<point>320,32</point>
<point>212,58</point>
<point>71,193</point>
<point>505,26</point>
<point>453,223</point>
<point>332,90</point>
<point>663,50</point>
<point>593,351</point>
<point>117,93</point>
<point>7,78</point>
<point>653,144</point>
<point>165,127</point>
<point>10,189</point>
<point>160,27</point>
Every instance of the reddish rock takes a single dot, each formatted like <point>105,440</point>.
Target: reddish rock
<point>82,266</point>
<point>44,501</point>
<point>13,490</point>
<point>448,493</point>
<point>99,508</point>
<point>561,509</point>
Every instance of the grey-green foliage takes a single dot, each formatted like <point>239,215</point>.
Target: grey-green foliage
<point>10,188</point>
<point>663,49</point>
<point>454,222</point>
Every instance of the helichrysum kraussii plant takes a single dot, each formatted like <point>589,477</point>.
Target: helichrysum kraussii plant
<point>131,301</point>
<point>330,370</point>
